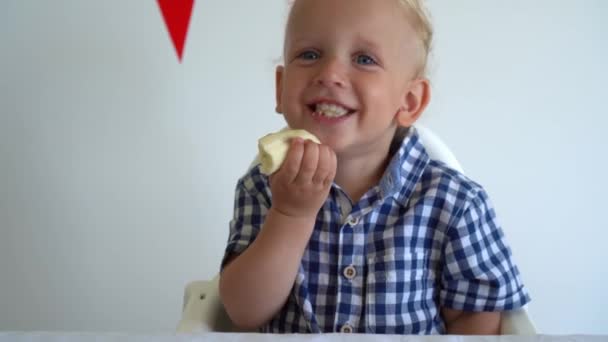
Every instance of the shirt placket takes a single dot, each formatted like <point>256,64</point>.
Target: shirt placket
<point>350,274</point>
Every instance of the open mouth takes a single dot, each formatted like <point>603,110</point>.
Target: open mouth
<point>330,110</point>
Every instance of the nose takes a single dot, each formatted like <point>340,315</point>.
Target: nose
<point>331,73</point>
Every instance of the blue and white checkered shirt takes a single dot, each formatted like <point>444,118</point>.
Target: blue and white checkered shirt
<point>425,237</point>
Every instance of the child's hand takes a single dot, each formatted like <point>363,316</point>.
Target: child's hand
<point>301,186</point>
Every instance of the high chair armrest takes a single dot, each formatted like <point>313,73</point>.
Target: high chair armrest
<point>517,322</point>
<point>202,308</point>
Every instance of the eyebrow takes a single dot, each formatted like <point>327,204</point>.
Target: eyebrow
<point>301,41</point>
<point>368,43</point>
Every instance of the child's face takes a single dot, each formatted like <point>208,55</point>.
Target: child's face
<point>360,55</point>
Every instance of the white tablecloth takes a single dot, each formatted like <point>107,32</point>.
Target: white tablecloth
<point>116,337</point>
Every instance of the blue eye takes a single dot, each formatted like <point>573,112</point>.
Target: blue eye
<point>309,55</point>
<point>365,60</point>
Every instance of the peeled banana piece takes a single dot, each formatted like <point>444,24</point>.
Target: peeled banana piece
<point>273,148</point>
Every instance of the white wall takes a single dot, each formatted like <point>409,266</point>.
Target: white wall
<point>117,164</point>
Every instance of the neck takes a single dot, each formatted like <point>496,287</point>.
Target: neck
<point>356,174</point>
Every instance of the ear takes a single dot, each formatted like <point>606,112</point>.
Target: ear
<point>279,88</point>
<point>415,101</point>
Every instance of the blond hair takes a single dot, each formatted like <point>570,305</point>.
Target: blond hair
<point>421,23</point>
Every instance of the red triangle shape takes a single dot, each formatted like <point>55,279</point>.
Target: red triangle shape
<point>176,14</point>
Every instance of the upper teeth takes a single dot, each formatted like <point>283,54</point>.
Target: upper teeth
<point>331,110</point>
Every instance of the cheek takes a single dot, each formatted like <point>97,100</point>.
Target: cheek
<point>377,90</point>
<point>292,91</point>
<point>380,98</point>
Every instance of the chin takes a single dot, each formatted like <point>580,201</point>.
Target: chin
<point>337,146</point>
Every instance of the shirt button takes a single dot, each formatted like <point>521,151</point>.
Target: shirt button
<point>346,328</point>
<point>350,272</point>
<point>353,221</point>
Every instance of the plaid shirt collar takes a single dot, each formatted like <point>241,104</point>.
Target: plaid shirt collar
<point>402,173</point>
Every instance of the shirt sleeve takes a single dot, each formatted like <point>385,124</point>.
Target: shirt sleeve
<point>250,207</point>
<point>479,273</point>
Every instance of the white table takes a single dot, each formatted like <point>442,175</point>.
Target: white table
<point>233,337</point>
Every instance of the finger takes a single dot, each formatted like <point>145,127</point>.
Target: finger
<point>291,166</point>
<point>309,162</point>
<point>323,166</point>
<point>333,168</point>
